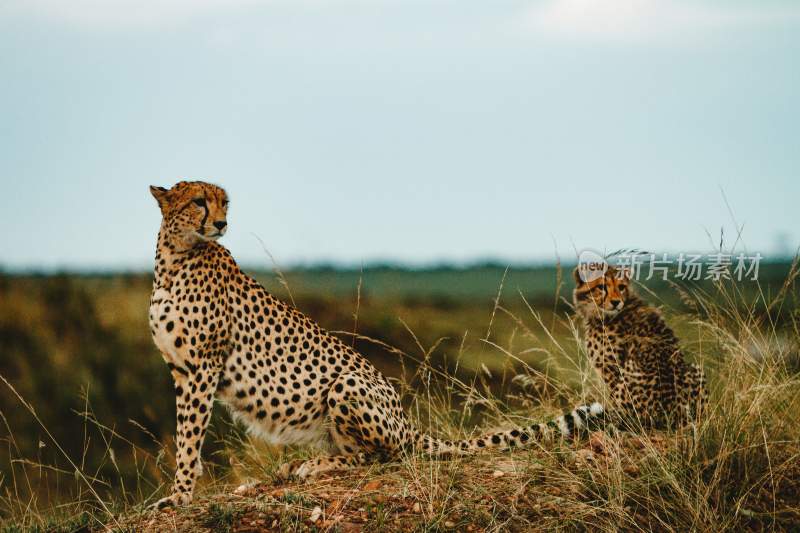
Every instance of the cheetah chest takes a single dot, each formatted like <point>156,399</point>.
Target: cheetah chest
<point>163,320</point>
<point>604,357</point>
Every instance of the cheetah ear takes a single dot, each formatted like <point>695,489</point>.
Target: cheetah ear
<point>576,275</point>
<point>160,194</point>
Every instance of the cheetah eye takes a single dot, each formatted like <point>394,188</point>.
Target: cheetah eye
<point>200,201</point>
<point>225,203</point>
<point>622,287</point>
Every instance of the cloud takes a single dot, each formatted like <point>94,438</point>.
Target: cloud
<point>646,20</point>
<point>584,20</point>
<point>110,14</point>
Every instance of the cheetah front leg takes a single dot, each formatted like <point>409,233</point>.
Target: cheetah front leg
<point>194,396</point>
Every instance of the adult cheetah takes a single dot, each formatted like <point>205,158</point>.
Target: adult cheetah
<point>636,354</point>
<point>223,336</point>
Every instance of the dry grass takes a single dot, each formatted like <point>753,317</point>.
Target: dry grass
<point>739,468</point>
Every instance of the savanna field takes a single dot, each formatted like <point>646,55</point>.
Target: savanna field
<point>87,409</point>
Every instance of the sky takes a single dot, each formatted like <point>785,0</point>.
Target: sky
<point>355,131</point>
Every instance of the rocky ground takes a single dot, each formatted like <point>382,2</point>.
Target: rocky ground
<point>520,491</point>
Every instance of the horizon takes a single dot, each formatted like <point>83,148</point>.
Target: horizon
<point>372,265</point>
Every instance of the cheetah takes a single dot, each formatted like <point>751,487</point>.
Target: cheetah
<point>225,338</point>
<point>635,354</point>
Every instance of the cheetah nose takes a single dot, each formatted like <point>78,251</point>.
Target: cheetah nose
<point>220,224</point>
<point>616,303</point>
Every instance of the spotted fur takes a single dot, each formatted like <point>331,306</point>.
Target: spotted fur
<point>225,337</point>
<point>636,354</point>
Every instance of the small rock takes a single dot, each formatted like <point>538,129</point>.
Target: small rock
<point>375,484</point>
<point>331,522</point>
<point>498,473</point>
<point>245,489</point>
<point>337,518</point>
<point>597,443</point>
<point>417,508</point>
<point>631,469</point>
<point>449,525</point>
<point>316,513</point>
<point>278,493</point>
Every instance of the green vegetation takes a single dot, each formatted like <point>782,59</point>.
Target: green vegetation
<point>88,415</point>
<point>221,518</point>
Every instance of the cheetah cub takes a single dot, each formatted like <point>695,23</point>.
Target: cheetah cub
<point>635,354</point>
<point>224,337</point>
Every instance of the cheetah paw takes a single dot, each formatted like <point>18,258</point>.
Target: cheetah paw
<point>246,489</point>
<point>306,470</point>
<point>293,469</point>
<point>173,500</point>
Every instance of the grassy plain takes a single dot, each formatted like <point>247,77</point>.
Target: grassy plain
<point>88,415</point>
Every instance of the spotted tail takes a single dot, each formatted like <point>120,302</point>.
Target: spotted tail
<point>579,421</point>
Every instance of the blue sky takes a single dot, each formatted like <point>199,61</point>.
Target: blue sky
<point>355,131</point>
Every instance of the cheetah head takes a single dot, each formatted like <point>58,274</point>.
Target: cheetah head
<point>193,211</point>
<point>604,295</point>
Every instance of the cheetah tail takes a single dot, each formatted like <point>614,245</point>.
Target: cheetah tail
<point>580,421</point>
